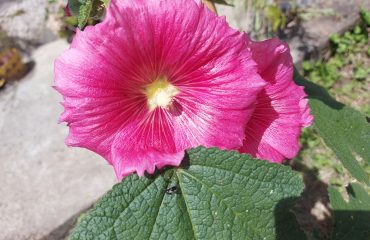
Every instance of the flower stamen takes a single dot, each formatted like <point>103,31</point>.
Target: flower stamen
<point>160,93</point>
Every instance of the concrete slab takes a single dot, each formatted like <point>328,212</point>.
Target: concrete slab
<point>43,183</point>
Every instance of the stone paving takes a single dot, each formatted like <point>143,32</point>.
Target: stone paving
<point>43,183</point>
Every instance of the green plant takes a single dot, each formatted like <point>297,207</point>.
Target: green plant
<point>346,49</point>
<point>365,16</point>
<point>324,73</point>
<point>87,11</point>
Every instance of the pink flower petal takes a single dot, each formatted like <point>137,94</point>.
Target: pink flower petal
<point>273,131</point>
<point>103,75</point>
<point>139,162</point>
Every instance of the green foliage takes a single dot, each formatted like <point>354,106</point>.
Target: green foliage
<point>276,17</point>
<point>220,195</point>
<point>322,158</point>
<point>352,218</point>
<point>348,43</point>
<point>345,74</point>
<point>360,73</point>
<point>84,13</point>
<point>326,74</point>
<point>87,11</point>
<point>345,48</point>
<point>74,6</point>
<point>365,16</point>
<point>344,130</point>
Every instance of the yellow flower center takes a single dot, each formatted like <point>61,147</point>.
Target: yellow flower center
<point>160,93</point>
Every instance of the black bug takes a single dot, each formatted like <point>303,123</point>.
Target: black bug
<point>172,190</point>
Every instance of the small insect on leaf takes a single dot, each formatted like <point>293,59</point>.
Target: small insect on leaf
<point>172,190</point>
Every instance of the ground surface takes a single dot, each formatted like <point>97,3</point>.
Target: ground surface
<point>43,183</point>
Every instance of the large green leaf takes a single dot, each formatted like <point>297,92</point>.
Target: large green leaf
<point>352,218</point>
<point>219,195</point>
<point>344,130</point>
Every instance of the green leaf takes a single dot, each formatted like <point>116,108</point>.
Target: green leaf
<point>344,130</point>
<point>219,195</point>
<point>84,13</point>
<point>74,6</point>
<point>360,73</point>
<point>84,10</point>
<point>365,16</point>
<point>352,218</point>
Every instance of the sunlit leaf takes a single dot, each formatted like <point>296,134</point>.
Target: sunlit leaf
<point>344,130</point>
<point>220,195</point>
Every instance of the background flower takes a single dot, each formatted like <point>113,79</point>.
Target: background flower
<point>155,78</point>
<point>281,111</point>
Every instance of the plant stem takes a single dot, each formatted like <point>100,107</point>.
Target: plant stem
<point>210,5</point>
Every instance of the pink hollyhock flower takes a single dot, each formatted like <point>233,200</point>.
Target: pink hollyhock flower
<point>155,78</point>
<point>281,110</point>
